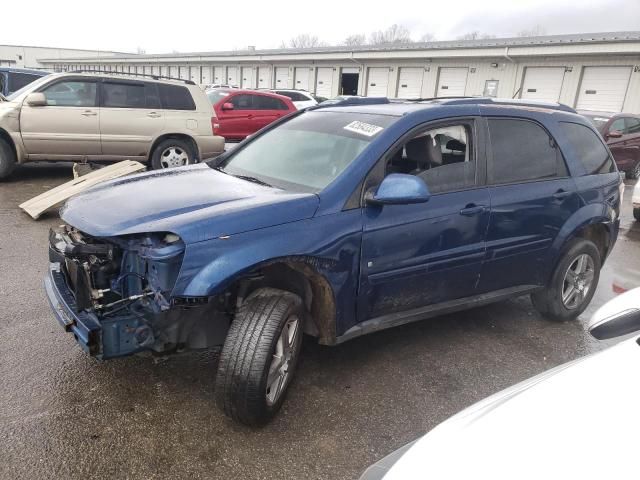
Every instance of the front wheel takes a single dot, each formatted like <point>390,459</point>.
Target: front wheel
<point>172,153</point>
<point>7,160</point>
<point>573,283</point>
<point>634,173</point>
<point>259,356</point>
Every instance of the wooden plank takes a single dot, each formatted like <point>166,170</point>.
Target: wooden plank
<point>56,196</point>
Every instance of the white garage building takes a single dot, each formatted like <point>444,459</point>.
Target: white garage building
<point>587,71</point>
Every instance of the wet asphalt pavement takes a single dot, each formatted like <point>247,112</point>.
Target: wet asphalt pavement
<point>65,415</point>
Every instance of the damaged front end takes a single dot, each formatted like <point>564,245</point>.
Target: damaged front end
<point>114,294</point>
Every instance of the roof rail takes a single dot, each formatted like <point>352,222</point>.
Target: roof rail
<point>506,101</point>
<point>350,101</point>
<point>130,74</point>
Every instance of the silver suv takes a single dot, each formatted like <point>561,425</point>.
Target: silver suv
<point>107,117</point>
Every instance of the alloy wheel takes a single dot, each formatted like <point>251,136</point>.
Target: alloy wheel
<point>174,157</point>
<point>578,281</point>
<point>279,370</point>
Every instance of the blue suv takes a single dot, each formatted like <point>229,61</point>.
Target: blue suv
<point>336,222</point>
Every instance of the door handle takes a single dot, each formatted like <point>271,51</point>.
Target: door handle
<point>153,115</point>
<point>249,116</point>
<point>89,113</point>
<point>561,194</point>
<point>472,209</point>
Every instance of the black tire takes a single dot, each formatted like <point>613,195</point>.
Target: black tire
<point>636,214</point>
<point>248,352</point>
<point>634,173</point>
<point>157,160</point>
<point>7,160</point>
<point>548,301</point>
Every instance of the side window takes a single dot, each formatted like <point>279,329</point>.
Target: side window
<point>522,151</point>
<point>123,95</point>
<point>443,157</point>
<point>590,150</point>
<point>71,94</point>
<point>618,125</point>
<point>19,80</point>
<point>152,95</point>
<point>242,102</point>
<point>268,103</point>
<point>174,97</point>
<point>632,125</point>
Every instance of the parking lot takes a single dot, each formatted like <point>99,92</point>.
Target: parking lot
<point>65,415</point>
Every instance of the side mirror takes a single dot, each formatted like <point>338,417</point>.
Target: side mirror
<point>614,134</point>
<point>617,317</point>
<point>399,189</point>
<point>36,99</point>
<point>227,106</point>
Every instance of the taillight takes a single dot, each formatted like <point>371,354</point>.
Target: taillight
<point>214,125</point>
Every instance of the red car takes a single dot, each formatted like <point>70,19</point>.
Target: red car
<point>621,131</point>
<point>243,112</point>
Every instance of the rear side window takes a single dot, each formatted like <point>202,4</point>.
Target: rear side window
<point>589,148</point>
<point>523,151</point>
<point>19,80</point>
<point>633,125</point>
<point>242,102</point>
<point>294,96</point>
<point>123,95</point>
<point>268,103</point>
<point>174,97</point>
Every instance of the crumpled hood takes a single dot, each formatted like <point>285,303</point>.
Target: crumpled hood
<point>197,203</point>
<point>578,420</point>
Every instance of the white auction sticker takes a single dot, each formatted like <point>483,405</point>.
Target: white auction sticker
<point>363,128</point>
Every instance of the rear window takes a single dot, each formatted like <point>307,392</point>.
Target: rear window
<point>523,151</point>
<point>590,150</point>
<point>174,97</point>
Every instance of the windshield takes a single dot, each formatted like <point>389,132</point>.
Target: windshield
<point>598,121</point>
<point>28,88</point>
<point>216,95</point>
<point>308,152</point>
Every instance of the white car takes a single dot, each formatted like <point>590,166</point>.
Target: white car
<point>300,98</point>
<point>635,199</point>
<point>578,420</point>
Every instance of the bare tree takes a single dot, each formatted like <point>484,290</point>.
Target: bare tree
<point>355,40</point>
<point>304,40</point>
<point>140,51</point>
<point>394,34</point>
<point>475,35</point>
<point>427,37</point>
<point>536,31</point>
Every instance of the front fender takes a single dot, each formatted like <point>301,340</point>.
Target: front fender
<point>332,242</point>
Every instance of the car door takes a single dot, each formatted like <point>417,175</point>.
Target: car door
<point>632,145</point>
<point>130,117</point>
<point>532,197</point>
<point>235,123</point>
<point>415,256</point>
<point>617,145</point>
<point>267,109</point>
<point>68,125</point>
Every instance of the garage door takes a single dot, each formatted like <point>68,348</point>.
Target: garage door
<point>301,78</point>
<point>603,88</point>
<point>184,72</point>
<point>232,76</point>
<point>247,77</point>
<point>218,75</point>
<point>282,77</point>
<point>264,77</point>
<point>324,82</point>
<point>173,71</point>
<point>542,83</point>
<point>378,82</point>
<point>206,75</point>
<point>195,74</point>
<point>452,82</point>
<point>410,82</point>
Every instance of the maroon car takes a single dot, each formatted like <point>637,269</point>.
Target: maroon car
<point>240,113</point>
<point>621,131</point>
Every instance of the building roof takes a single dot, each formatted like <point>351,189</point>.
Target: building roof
<point>546,40</point>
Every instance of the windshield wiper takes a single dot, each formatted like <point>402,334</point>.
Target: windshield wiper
<point>253,180</point>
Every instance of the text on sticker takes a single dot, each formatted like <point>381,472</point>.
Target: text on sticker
<point>363,128</point>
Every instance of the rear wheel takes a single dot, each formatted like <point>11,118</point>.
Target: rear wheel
<point>7,160</point>
<point>259,356</point>
<point>573,282</point>
<point>172,153</point>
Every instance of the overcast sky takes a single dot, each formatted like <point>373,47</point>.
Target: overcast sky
<point>187,25</point>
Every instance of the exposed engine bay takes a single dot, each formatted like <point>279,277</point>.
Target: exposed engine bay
<point>126,283</point>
